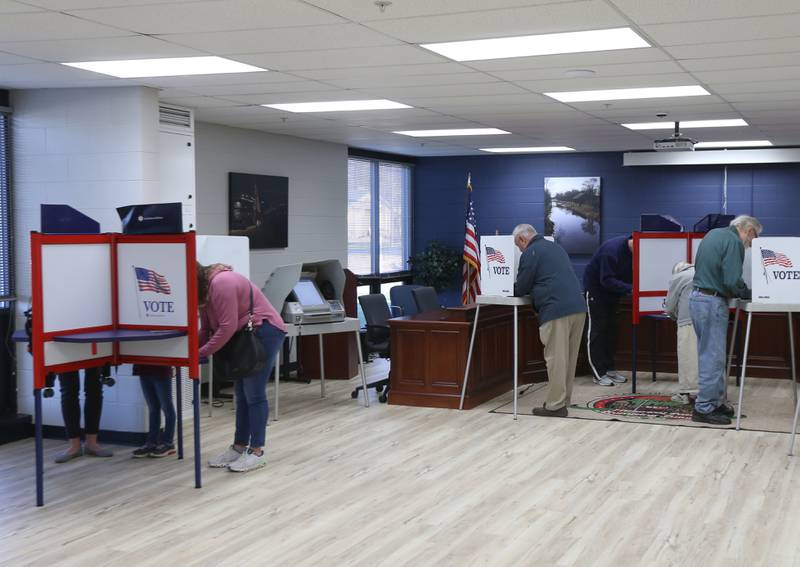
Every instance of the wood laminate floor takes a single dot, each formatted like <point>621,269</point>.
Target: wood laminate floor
<point>388,485</point>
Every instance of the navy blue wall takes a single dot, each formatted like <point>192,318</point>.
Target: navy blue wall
<point>509,190</point>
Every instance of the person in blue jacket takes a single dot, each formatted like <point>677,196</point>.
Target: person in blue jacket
<point>607,278</point>
<point>545,274</point>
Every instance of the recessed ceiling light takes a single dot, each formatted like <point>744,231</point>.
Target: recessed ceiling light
<point>546,44</point>
<point>734,144</point>
<point>168,67</point>
<point>338,105</point>
<point>452,132</point>
<point>687,124</point>
<point>528,150</point>
<point>629,94</point>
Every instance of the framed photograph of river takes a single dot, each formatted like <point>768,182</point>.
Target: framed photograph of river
<point>572,212</point>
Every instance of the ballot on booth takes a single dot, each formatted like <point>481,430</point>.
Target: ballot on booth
<point>775,270</point>
<point>499,262</point>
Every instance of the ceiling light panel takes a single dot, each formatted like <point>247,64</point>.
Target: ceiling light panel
<point>452,132</point>
<point>339,106</point>
<point>669,125</point>
<point>629,94</point>
<point>529,150</point>
<point>532,45</point>
<point>166,67</point>
<point>734,144</point>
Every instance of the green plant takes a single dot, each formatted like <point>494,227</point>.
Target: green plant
<point>436,266</point>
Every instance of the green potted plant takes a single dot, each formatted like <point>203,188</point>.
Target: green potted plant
<point>436,266</point>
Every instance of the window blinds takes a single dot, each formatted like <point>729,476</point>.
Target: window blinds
<point>6,258</point>
<point>359,216</point>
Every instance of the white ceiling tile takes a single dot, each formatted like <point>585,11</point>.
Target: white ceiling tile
<point>572,60</point>
<point>276,40</point>
<point>790,102</point>
<point>401,93</point>
<point>361,11</point>
<point>17,75</point>
<point>742,62</point>
<point>62,5</point>
<point>756,74</point>
<point>743,29</point>
<point>528,20</point>
<point>130,47</point>
<point>259,88</point>
<point>597,82</point>
<point>733,48</point>
<point>51,26</point>
<point>9,59</point>
<point>653,105</point>
<point>692,10</point>
<point>211,15</point>
<point>11,7</point>
<point>198,101</point>
<point>220,80</point>
<point>483,101</point>
<point>340,58</point>
<point>601,71</point>
<point>732,90</point>
<point>378,71</point>
<point>287,97</point>
<point>411,80</point>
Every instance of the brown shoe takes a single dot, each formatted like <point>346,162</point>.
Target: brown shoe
<point>544,412</point>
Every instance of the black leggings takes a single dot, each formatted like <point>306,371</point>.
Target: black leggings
<point>71,406</point>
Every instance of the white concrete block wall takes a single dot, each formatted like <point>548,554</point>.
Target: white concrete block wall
<point>93,149</point>
<point>317,173</point>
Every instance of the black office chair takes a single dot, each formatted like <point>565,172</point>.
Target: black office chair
<point>427,299</point>
<point>376,313</point>
<point>402,297</point>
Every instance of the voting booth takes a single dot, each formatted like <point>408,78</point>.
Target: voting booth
<point>499,263</point>
<point>775,270</point>
<point>111,299</point>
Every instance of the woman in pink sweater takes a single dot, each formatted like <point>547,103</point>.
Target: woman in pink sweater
<point>224,298</point>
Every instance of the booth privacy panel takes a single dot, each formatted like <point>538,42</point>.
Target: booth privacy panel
<point>657,256</point>
<point>165,348</point>
<point>63,353</point>
<point>76,286</point>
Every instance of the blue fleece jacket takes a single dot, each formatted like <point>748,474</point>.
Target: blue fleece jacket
<point>609,274</point>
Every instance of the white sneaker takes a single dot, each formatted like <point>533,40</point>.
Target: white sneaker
<point>224,459</point>
<point>616,377</point>
<point>604,380</point>
<point>248,461</point>
<point>681,398</point>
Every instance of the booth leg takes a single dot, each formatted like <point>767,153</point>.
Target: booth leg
<point>516,358</point>
<point>654,339</point>
<point>277,384</point>
<point>634,346</point>
<point>794,429</point>
<point>734,342</point>
<point>196,421</point>
<point>321,369</point>
<point>37,393</point>
<point>179,408</point>
<point>211,386</point>
<point>469,357</point>
<point>361,370</point>
<point>791,351</point>
<point>744,369</point>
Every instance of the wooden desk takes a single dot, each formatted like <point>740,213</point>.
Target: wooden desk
<point>429,355</point>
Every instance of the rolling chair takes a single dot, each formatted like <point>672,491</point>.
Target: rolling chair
<point>426,298</point>
<point>402,297</point>
<point>376,313</point>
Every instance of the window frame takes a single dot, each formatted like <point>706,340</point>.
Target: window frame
<point>6,162</point>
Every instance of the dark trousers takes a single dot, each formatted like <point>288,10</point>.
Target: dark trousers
<point>71,405</point>
<point>158,395</point>
<point>601,330</point>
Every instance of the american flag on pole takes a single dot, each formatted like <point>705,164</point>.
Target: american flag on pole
<point>471,271</point>
<point>493,255</point>
<point>772,258</point>
<point>149,280</point>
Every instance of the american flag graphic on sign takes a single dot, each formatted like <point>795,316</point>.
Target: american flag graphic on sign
<point>772,258</point>
<point>149,280</point>
<point>493,255</point>
<point>472,262</point>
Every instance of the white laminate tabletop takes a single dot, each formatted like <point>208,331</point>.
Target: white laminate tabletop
<point>502,300</point>
<point>755,307</point>
<point>350,324</point>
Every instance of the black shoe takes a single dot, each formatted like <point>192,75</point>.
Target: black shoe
<point>544,412</point>
<point>163,450</point>
<point>725,409</point>
<point>142,452</point>
<point>713,418</point>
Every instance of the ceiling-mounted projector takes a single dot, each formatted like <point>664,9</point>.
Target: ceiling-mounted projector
<point>675,143</point>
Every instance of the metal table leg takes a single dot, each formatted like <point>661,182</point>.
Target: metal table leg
<point>179,407</point>
<point>791,351</point>
<point>277,384</point>
<point>744,369</point>
<point>635,345</point>
<point>196,403</point>
<point>211,386</point>
<point>37,394</point>
<point>516,360</point>
<point>321,368</point>
<point>361,369</point>
<point>730,350</point>
<point>654,339</point>
<point>469,357</point>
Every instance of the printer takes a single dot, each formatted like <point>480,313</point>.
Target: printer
<point>306,305</point>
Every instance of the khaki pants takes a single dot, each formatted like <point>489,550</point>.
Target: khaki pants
<point>687,360</point>
<point>561,339</point>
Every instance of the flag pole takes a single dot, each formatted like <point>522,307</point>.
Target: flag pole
<point>468,291</point>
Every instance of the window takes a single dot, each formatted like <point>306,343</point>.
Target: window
<point>378,216</point>
<point>6,259</point>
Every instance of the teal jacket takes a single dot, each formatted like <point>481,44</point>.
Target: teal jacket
<point>545,273</point>
<point>718,265</point>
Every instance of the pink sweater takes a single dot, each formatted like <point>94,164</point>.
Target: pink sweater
<point>227,309</point>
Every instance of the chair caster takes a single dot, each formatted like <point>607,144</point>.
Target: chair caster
<point>47,392</point>
<point>354,394</point>
<point>108,381</point>
<point>382,398</point>
<point>379,389</point>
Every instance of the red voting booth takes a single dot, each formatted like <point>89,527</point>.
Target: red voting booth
<point>111,299</point>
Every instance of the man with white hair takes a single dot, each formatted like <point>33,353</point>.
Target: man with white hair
<point>677,307</point>
<point>717,279</point>
<point>545,274</point>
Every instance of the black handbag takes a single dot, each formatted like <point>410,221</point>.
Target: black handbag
<point>243,355</point>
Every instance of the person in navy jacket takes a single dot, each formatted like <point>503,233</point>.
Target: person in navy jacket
<point>607,278</point>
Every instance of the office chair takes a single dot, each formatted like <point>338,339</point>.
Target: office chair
<point>402,297</point>
<point>426,298</point>
<point>376,313</point>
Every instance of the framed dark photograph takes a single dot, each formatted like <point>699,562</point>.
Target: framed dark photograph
<point>258,208</point>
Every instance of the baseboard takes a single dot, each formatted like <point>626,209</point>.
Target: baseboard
<point>15,427</point>
<point>132,438</point>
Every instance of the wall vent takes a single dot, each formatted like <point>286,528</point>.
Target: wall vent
<point>175,118</point>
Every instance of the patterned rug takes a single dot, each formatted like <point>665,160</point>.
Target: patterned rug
<point>639,406</point>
